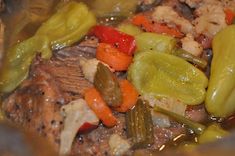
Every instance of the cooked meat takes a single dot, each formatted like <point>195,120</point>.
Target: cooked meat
<point>197,113</point>
<point>86,49</point>
<point>66,70</point>
<point>68,76</point>
<point>35,106</point>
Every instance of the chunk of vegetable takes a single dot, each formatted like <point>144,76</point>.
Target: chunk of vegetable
<point>220,98</point>
<point>129,29</point>
<point>142,21</point>
<point>117,60</point>
<point>129,94</point>
<point>212,133</point>
<point>107,84</point>
<point>190,58</point>
<point>87,127</point>
<point>89,68</point>
<point>169,104</point>
<point>229,16</point>
<point>164,75</point>
<point>68,25</point>
<point>160,120</point>
<point>149,26</point>
<point>114,7</point>
<point>118,145</point>
<point>18,59</point>
<point>76,113</point>
<point>140,125</point>
<point>123,42</point>
<point>97,104</point>
<point>156,42</point>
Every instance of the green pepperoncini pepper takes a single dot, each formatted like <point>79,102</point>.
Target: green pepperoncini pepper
<point>220,98</point>
<point>165,75</point>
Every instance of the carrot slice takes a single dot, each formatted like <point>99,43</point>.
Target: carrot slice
<point>129,94</point>
<point>119,61</point>
<point>149,26</point>
<point>97,104</point>
<point>229,16</point>
<point>142,21</point>
<point>163,29</point>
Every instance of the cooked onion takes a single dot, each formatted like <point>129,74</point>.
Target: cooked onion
<point>169,104</point>
<point>76,113</point>
<point>118,145</point>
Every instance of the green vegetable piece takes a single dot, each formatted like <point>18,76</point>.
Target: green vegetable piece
<point>220,98</point>
<point>212,133</point>
<point>140,125</point>
<point>107,84</point>
<point>190,58</point>
<point>68,25</point>
<point>187,146</point>
<point>129,29</point>
<point>164,75</point>
<point>113,7</point>
<point>196,127</point>
<point>156,42</point>
<point>18,59</point>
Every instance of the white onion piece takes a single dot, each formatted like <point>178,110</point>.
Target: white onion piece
<point>160,120</point>
<point>169,104</point>
<point>118,145</point>
<point>89,68</point>
<point>76,113</point>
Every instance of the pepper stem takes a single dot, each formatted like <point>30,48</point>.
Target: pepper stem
<point>190,58</point>
<point>196,127</point>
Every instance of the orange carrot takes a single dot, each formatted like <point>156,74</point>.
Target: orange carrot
<point>149,26</point>
<point>97,104</point>
<point>143,21</point>
<point>119,61</point>
<point>129,94</point>
<point>229,16</point>
<point>163,29</point>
